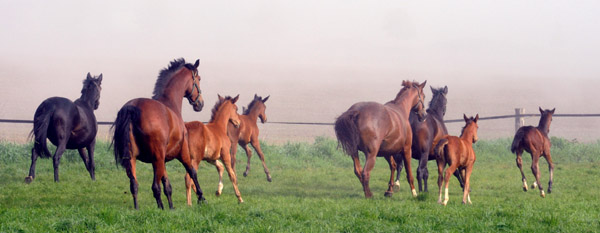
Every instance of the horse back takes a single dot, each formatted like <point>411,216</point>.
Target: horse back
<point>459,151</point>
<point>531,138</point>
<point>63,116</point>
<point>383,126</point>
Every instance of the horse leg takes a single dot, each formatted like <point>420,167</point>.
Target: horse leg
<point>422,173</point>
<point>520,165</point>
<point>551,168</point>
<point>133,184</point>
<point>186,161</point>
<point>447,175</point>
<point>409,176</point>
<point>392,162</point>
<point>248,155</point>
<point>536,172</point>
<point>85,159</point>
<point>357,167</point>
<point>92,164</point>
<point>220,169</point>
<point>261,155</point>
<point>34,156</point>
<point>159,170</point>
<point>226,158</point>
<point>441,164</point>
<point>399,165</point>
<point>189,185</point>
<point>167,189</point>
<point>366,173</point>
<point>466,190</point>
<point>60,149</point>
<point>460,177</point>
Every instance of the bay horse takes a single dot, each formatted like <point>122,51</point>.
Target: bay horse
<point>68,125</point>
<point>152,130</point>
<point>381,130</point>
<point>247,132</point>
<point>535,141</point>
<point>426,135</point>
<point>458,153</point>
<point>210,142</point>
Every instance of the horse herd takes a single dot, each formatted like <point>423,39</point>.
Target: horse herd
<point>153,131</point>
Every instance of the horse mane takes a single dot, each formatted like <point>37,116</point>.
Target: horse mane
<point>166,74</point>
<point>462,131</point>
<point>251,105</point>
<point>217,106</point>
<point>437,102</point>
<point>405,86</point>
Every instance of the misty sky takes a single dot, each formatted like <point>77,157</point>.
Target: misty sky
<point>303,52</point>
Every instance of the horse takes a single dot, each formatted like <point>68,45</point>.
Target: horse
<point>248,132</point>
<point>210,142</point>
<point>153,131</point>
<point>426,135</point>
<point>458,153</point>
<point>535,141</point>
<point>381,130</point>
<point>68,125</point>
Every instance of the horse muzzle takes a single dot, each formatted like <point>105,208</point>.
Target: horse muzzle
<point>198,106</point>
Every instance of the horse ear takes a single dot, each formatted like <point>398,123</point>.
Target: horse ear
<point>422,85</point>
<point>266,98</point>
<point>552,111</point>
<point>220,97</point>
<point>432,90</point>
<point>89,76</point>
<point>100,79</point>
<point>256,96</point>
<point>466,118</point>
<point>476,117</point>
<point>235,99</point>
<point>197,63</point>
<point>445,90</point>
<point>541,110</point>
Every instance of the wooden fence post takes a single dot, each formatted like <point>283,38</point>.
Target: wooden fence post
<point>519,120</point>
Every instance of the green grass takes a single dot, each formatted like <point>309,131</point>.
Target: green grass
<point>314,189</point>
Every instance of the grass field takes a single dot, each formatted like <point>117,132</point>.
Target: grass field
<point>314,189</point>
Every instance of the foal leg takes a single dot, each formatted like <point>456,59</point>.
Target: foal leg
<point>392,164</point>
<point>399,166</point>
<point>536,172</point>
<point>189,185</point>
<point>520,165</point>
<point>226,158</point>
<point>220,169</point>
<point>466,192</point>
<point>248,155</point>
<point>551,168</point>
<point>441,164</point>
<point>447,175</point>
<point>34,156</point>
<point>261,155</point>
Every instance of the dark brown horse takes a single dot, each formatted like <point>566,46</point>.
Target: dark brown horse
<point>248,132</point>
<point>535,141</point>
<point>153,131</point>
<point>381,130</point>
<point>458,153</point>
<point>210,142</point>
<point>426,135</point>
<point>68,125</point>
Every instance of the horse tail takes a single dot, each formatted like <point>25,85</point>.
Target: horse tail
<point>440,148</point>
<point>127,119</point>
<point>517,140</point>
<point>347,133</point>
<point>41,122</point>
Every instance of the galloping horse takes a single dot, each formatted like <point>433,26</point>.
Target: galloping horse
<point>458,153</point>
<point>248,132</point>
<point>210,142</point>
<point>152,130</point>
<point>68,125</point>
<point>426,135</point>
<point>381,130</point>
<point>535,141</point>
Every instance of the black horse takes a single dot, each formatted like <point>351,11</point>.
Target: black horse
<point>426,135</point>
<point>68,125</point>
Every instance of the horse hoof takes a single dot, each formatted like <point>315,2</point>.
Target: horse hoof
<point>525,189</point>
<point>543,194</point>
<point>388,194</point>
<point>217,193</point>
<point>28,179</point>
<point>245,174</point>
<point>202,200</point>
<point>269,179</point>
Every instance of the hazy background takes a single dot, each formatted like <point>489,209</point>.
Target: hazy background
<point>315,58</point>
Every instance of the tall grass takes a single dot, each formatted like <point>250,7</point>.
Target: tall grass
<point>314,189</point>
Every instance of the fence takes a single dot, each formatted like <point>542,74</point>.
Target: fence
<point>519,117</point>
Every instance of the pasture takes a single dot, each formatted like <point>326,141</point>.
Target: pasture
<point>314,189</point>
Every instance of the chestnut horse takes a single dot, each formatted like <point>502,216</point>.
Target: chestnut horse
<point>458,153</point>
<point>152,130</point>
<point>535,141</point>
<point>248,132</point>
<point>381,131</point>
<point>426,135</point>
<point>68,125</point>
<point>210,142</point>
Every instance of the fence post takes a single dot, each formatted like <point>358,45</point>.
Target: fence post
<point>519,120</point>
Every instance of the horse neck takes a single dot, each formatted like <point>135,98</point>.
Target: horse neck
<point>173,93</point>
<point>467,136</point>
<point>85,101</point>
<point>544,125</point>
<point>221,118</point>
<point>404,101</point>
<point>253,114</point>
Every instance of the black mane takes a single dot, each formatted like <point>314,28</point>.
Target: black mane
<point>217,106</point>
<point>251,105</point>
<point>438,103</point>
<point>165,75</point>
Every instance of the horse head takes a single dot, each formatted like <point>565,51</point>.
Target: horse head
<point>193,93</point>
<point>91,90</point>
<point>470,129</point>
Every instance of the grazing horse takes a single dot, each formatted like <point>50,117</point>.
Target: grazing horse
<point>458,153</point>
<point>380,130</point>
<point>535,141</point>
<point>153,131</point>
<point>68,125</point>
<point>210,142</point>
<point>426,135</point>
<point>248,132</point>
